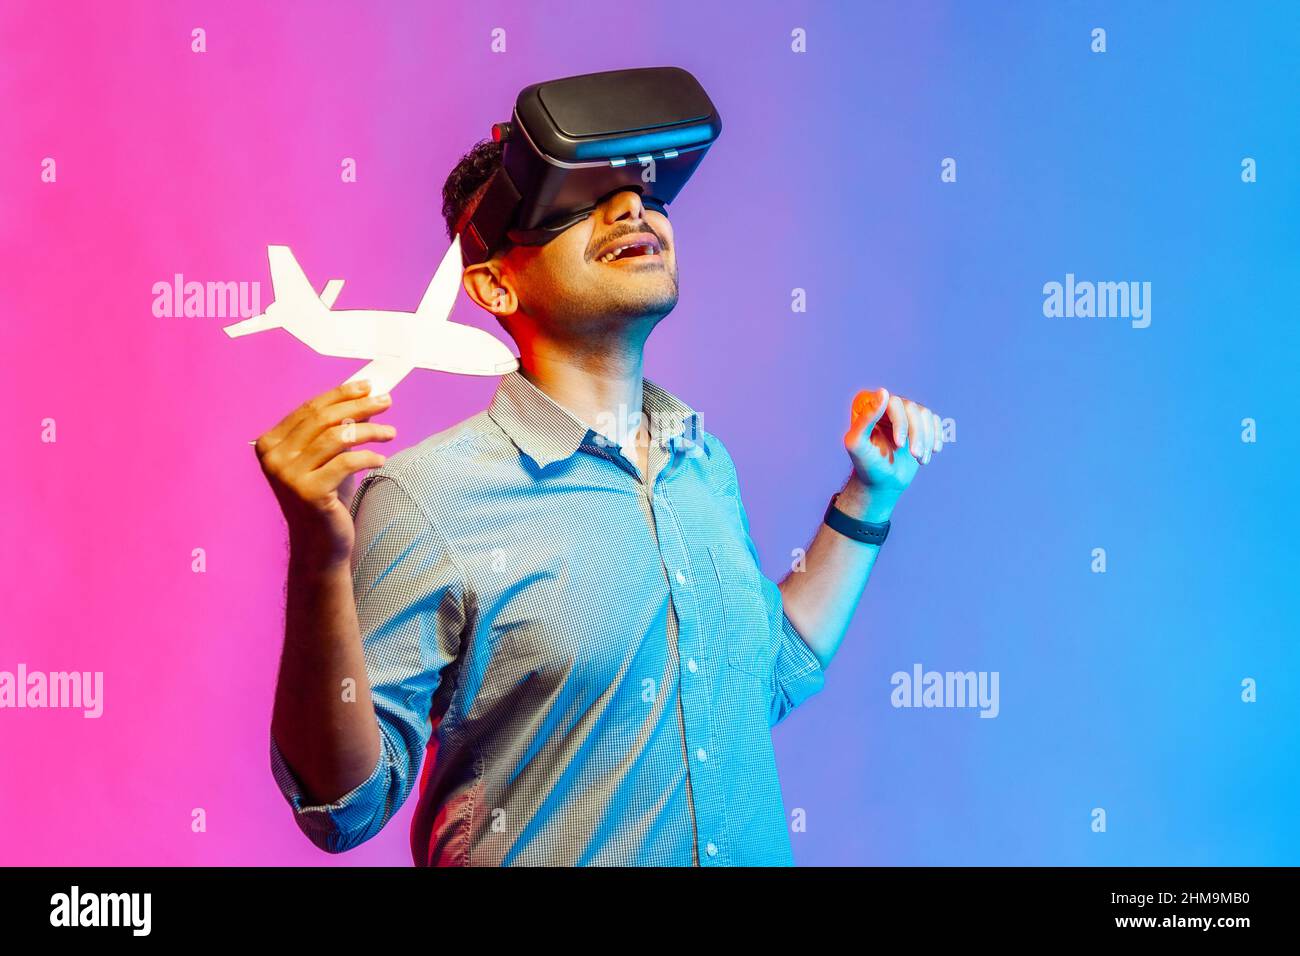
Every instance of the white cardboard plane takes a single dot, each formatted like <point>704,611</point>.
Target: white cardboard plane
<point>393,342</point>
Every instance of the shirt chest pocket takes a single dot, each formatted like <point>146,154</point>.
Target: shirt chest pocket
<point>741,611</point>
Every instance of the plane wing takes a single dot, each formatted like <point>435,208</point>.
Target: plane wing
<point>383,373</point>
<point>440,298</point>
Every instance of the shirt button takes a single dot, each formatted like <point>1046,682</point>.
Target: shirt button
<point>692,666</point>
<point>681,578</point>
<point>711,850</point>
<point>701,756</point>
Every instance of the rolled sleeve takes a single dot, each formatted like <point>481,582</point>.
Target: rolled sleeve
<point>409,595</point>
<point>336,826</point>
<point>797,674</point>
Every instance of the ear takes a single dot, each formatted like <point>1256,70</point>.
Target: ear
<point>487,285</point>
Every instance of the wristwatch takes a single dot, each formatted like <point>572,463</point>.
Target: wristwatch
<point>867,532</point>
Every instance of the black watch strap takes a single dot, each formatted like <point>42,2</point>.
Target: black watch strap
<point>867,532</point>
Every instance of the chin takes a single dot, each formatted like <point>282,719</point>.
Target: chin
<point>645,303</point>
<point>654,291</point>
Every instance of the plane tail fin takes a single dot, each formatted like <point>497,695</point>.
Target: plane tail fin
<point>292,290</point>
<point>294,295</point>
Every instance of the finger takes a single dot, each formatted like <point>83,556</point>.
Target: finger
<point>340,438</point>
<point>340,466</point>
<point>327,416</point>
<point>938,432</point>
<point>359,410</point>
<point>915,430</point>
<point>294,419</point>
<point>927,423</point>
<point>898,418</point>
<point>927,444</point>
<point>868,407</point>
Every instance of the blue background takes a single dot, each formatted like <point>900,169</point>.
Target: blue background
<point>1119,690</point>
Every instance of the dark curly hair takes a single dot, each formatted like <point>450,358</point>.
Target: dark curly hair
<point>467,180</point>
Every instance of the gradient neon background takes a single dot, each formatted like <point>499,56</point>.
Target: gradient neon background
<point>1118,691</point>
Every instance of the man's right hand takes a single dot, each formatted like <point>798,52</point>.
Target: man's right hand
<point>308,456</point>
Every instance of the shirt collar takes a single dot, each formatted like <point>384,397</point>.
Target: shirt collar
<point>547,432</point>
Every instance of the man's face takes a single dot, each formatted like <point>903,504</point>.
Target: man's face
<point>614,270</point>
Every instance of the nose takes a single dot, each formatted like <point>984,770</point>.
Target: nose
<point>624,204</point>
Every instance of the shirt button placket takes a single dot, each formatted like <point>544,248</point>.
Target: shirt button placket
<point>706,787</point>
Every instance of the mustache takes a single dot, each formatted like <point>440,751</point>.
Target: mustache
<point>625,229</point>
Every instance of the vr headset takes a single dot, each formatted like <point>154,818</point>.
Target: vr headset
<point>573,142</point>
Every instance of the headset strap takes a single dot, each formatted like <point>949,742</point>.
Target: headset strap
<point>483,227</point>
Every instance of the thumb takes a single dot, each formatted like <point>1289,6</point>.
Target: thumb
<point>868,407</point>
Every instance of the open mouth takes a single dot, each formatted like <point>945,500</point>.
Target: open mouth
<point>633,250</point>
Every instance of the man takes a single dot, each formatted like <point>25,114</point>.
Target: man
<point>557,602</point>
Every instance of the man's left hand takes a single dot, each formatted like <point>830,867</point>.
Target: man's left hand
<point>889,438</point>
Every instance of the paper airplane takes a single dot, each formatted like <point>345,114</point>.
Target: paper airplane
<point>393,342</point>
